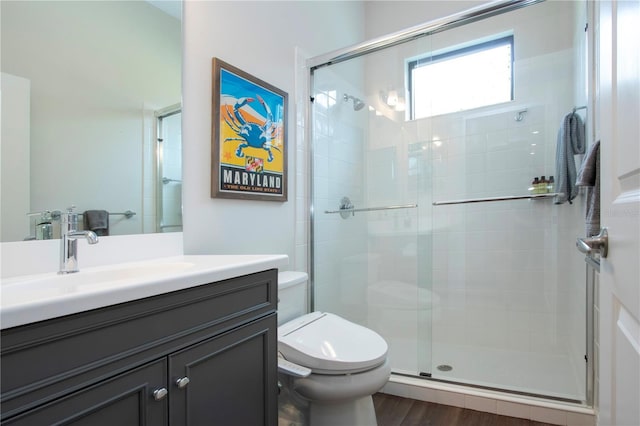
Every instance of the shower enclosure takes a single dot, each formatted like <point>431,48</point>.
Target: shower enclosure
<point>425,225</point>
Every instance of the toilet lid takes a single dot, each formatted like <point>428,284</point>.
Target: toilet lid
<point>329,344</point>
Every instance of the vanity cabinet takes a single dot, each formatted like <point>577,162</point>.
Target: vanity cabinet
<point>206,355</point>
<point>121,400</point>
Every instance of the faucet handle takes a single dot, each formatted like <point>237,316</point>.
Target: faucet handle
<point>70,217</point>
<point>71,211</point>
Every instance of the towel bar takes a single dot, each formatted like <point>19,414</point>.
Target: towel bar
<point>347,207</point>
<point>491,199</point>
<point>371,209</point>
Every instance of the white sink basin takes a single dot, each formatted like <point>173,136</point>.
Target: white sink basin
<point>35,287</point>
<point>31,298</point>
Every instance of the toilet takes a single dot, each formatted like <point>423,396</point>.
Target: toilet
<point>329,366</point>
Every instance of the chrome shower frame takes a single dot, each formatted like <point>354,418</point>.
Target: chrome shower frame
<point>412,33</point>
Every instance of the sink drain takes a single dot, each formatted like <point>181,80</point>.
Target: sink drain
<point>444,367</point>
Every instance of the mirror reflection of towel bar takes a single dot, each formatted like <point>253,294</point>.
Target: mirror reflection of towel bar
<point>128,214</point>
<point>170,226</point>
<point>166,180</point>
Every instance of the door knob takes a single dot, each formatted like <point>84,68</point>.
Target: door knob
<point>596,244</point>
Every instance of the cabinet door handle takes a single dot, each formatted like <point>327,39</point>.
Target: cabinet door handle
<point>159,394</point>
<point>182,382</point>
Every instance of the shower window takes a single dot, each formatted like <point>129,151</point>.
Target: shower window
<point>462,78</point>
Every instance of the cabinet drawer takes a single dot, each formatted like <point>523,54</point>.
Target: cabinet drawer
<point>48,359</point>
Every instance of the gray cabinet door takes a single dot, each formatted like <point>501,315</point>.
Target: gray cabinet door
<point>232,378</point>
<point>125,400</point>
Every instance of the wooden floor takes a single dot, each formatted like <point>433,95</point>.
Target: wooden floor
<point>396,411</point>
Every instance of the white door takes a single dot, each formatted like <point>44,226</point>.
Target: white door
<point>618,100</point>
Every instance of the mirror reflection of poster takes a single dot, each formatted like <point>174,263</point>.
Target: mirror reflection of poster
<point>249,146</point>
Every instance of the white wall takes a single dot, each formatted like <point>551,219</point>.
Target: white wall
<point>263,39</point>
<point>384,17</point>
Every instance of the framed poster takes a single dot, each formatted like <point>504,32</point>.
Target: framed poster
<point>249,136</point>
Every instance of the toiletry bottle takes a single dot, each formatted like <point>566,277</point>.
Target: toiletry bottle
<point>534,185</point>
<point>551,186</point>
<point>542,185</point>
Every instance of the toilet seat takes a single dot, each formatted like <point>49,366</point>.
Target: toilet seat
<point>329,344</point>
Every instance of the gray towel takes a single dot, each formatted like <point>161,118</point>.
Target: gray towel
<point>96,221</point>
<point>589,176</point>
<point>571,142</point>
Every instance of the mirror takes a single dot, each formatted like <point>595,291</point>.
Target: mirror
<point>88,91</point>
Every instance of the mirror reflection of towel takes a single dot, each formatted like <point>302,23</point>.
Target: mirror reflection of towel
<point>96,221</point>
<point>589,176</point>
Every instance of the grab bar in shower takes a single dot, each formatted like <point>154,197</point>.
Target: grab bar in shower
<point>491,199</point>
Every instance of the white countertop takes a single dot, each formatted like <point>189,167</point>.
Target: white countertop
<point>30,298</point>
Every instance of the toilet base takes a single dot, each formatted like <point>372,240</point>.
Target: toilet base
<point>358,412</point>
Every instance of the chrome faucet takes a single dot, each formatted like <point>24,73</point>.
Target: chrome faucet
<point>69,235</point>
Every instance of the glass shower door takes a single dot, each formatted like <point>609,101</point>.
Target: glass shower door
<point>370,249</point>
<point>511,310</point>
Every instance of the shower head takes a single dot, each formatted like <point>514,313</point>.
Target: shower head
<point>357,103</point>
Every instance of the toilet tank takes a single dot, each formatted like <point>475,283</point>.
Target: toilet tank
<point>292,295</point>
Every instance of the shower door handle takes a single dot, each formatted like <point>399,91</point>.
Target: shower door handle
<point>596,244</point>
